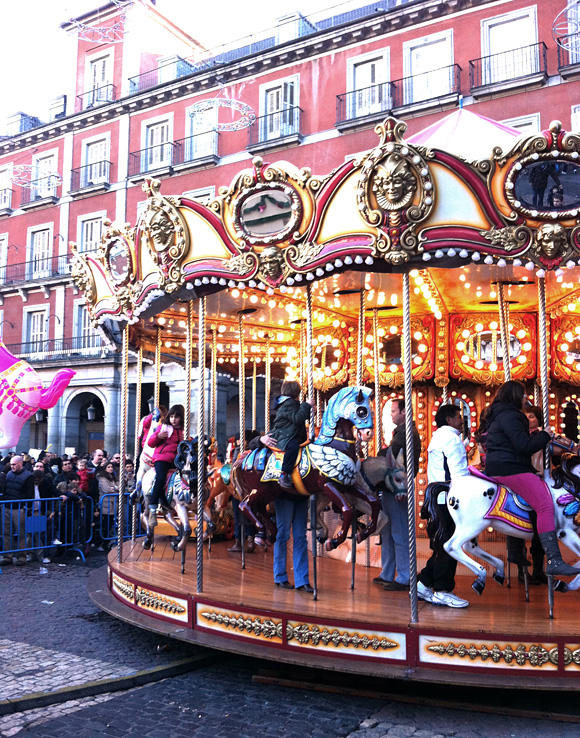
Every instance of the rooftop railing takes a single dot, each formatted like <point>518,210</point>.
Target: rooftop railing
<point>56,349</point>
<point>514,64</point>
<point>95,97</point>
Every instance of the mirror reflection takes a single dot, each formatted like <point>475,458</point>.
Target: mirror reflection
<point>487,346</point>
<point>266,213</point>
<point>390,351</point>
<point>549,185</point>
<point>118,260</point>
<point>465,415</point>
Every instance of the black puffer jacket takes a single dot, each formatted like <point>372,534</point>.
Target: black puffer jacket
<point>508,441</point>
<point>291,417</point>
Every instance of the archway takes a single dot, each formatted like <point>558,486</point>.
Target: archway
<point>84,422</point>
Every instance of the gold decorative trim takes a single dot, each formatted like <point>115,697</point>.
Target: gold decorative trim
<point>533,655</point>
<point>313,635</point>
<point>153,601</point>
<point>571,656</point>
<point>124,588</point>
<point>271,629</point>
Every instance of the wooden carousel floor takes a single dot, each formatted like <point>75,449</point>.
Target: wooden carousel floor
<point>366,629</point>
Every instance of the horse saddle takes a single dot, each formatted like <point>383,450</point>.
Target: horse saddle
<point>174,487</point>
<point>506,504</point>
<point>269,462</point>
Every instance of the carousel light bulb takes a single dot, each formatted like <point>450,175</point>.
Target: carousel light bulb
<point>493,325</point>
<point>328,371</point>
<point>381,332</point>
<point>235,293</point>
<point>465,359</point>
<point>394,298</point>
<point>393,330</point>
<point>369,338</point>
<point>527,346</point>
<point>422,348</point>
<point>393,368</point>
<point>335,323</point>
<point>465,333</point>
<point>564,347</point>
<point>460,345</point>
<point>522,359</point>
<point>336,353</point>
<point>438,314</point>
<point>334,342</point>
<point>417,360</point>
<point>493,367</point>
<point>479,364</point>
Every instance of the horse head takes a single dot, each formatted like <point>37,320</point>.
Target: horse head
<point>396,474</point>
<point>352,404</point>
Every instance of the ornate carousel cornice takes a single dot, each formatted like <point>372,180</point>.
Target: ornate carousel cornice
<point>395,208</point>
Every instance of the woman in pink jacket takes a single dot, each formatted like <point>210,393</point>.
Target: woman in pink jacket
<point>164,440</point>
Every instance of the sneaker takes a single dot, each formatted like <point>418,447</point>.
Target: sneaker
<point>448,600</point>
<point>56,542</point>
<point>100,548</point>
<point>424,593</point>
<point>285,481</point>
<point>46,561</point>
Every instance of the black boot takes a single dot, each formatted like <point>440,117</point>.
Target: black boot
<point>538,576</point>
<point>516,551</point>
<point>555,564</point>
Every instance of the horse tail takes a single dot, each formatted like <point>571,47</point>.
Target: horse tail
<point>50,396</point>
<point>430,511</point>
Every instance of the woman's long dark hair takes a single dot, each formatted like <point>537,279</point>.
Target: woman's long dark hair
<point>178,410</point>
<point>512,393</point>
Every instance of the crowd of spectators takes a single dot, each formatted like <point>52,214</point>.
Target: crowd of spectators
<point>65,495</point>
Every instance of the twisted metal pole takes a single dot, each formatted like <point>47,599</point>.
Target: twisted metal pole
<point>213,386</point>
<point>157,368</point>
<point>267,381</point>
<point>200,439</point>
<point>188,365</point>
<point>310,378</point>
<point>543,349</point>
<point>242,385</point>
<point>376,360</point>
<point>254,394</point>
<point>123,449</point>
<point>409,448</point>
<point>138,396</point>
<point>504,330</point>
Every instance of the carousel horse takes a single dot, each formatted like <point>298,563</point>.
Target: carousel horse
<point>327,467</point>
<point>476,502</point>
<point>181,494</point>
<point>22,394</point>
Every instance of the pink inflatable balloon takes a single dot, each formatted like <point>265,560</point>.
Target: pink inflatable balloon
<point>22,394</point>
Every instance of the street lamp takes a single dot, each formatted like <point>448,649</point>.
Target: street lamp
<point>151,403</point>
<point>39,415</point>
<point>91,412</point>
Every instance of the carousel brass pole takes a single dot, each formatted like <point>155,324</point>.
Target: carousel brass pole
<point>157,368</point>
<point>543,346</point>
<point>302,339</point>
<point>254,394</point>
<point>213,386</point>
<point>242,416</point>
<point>123,449</point>
<point>138,393</point>
<point>267,382</point>
<point>200,439</point>
<point>504,330</point>
<point>359,381</point>
<point>444,395</point>
<point>376,359</point>
<point>310,378</point>
<point>188,363</point>
<point>409,448</point>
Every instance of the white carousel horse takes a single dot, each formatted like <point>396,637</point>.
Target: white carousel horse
<point>22,394</point>
<point>476,502</point>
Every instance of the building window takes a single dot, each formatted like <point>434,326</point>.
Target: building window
<point>203,194</point>
<point>158,147</point>
<point>525,123</point>
<point>280,115</point>
<point>36,335</point>
<point>203,136</point>
<point>6,188</point>
<point>86,337</point>
<point>575,118</point>
<point>99,88</point>
<point>45,182</point>
<point>96,167</point>
<point>501,61</point>
<point>91,231</point>
<point>3,257</point>
<point>40,251</point>
<point>368,92</point>
<point>428,67</point>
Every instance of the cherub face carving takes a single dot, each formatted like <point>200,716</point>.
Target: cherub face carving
<point>551,239</point>
<point>161,230</point>
<point>394,183</point>
<point>272,263</point>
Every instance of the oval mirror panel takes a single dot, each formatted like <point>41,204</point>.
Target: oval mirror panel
<point>119,260</point>
<point>486,346</point>
<point>549,185</point>
<point>266,213</point>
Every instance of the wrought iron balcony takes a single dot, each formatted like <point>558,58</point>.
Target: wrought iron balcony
<point>57,349</point>
<point>569,55</point>
<point>275,128</point>
<point>151,159</point>
<point>40,191</point>
<point>420,89</point>
<point>503,69</point>
<point>40,268</point>
<point>367,102</point>
<point>171,70</point>
<point>95,97</point>
<point>91,175</point>
<point>202,147</point>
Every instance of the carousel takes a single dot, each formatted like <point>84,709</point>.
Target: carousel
<point>411,271</point>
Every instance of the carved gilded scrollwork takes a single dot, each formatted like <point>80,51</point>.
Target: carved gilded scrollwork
<point>535,655</point>
<point>83,277</point>
<point>258,626</point>
<point>508,238</point>
<point>314,636</point>
<point>154,601</point>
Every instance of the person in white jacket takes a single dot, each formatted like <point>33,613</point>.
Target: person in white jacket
<point>447,460</point>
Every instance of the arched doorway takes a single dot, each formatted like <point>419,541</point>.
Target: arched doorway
<point>84,422</point>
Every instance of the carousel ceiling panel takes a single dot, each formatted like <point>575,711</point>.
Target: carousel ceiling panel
<point>445,212</point>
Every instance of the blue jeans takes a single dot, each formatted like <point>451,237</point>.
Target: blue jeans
<point>395,540</point>
<point>291,514</point>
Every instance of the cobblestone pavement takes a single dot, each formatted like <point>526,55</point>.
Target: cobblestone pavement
<point>41,643</point>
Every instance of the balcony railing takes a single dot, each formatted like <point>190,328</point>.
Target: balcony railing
<point>55,349</point>
<point>42,267</point>
<point>40,189</point>
<point>148,160</point>
<point>95,97</point>
<point>569,51</point>
<point>201,146</point>
<point>520,63</point>
<point>97,173</point>
<point>5,200</point>
<point>171,70</point>
<point>275,126</point>
<point>426,86</point>
<point>362,103</point>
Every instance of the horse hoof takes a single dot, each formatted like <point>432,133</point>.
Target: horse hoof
<point>478,586</point>
<point>146,544</point>
<point>321,539</point>
<point>499,578</point>
<point>175,545</point>
<point>560,586</point>
<point>330,545</point>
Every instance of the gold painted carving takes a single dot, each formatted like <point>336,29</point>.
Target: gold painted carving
<point>242,263</point>
<point>302,254</point>
<point>82,276</point>
<point>154,601</point>
<point>508,238</point>
<point>257,626</point>
<point>315,636</point>
<point>571,657</point>
<point>125,588</point>
<point>535,655</point>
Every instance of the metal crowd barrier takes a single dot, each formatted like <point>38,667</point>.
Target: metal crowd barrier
<point>107,528</point>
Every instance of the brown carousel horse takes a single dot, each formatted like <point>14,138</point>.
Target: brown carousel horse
<point>326,467</point>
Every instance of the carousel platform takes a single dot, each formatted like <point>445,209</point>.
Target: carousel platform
<point>499,639</point>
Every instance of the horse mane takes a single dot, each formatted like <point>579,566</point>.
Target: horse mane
<point>565,473</point>
<point>334,412</point>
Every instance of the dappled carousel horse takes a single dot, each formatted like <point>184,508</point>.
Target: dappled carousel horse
<point>181,494</point>
<point>327,467</point>
<point>476,502</point>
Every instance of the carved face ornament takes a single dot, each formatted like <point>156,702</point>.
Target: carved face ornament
<point>272,263</point>
<point>394,183</point>
<point>551,239</point>
<point>161,230</point>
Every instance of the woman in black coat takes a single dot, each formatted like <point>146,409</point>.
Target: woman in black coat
<point>509,451</point>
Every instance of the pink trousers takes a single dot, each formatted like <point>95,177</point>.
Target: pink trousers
<point>536,493</point>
